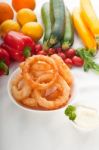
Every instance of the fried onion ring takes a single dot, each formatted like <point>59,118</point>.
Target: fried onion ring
<point>42,66</point>
<point>63,69</point>
<point>30,79</point>
<point>44,83</point>
<point>20,89</point>
<point>54,92</point>
<point>58,102</point>
<point>30,101</point>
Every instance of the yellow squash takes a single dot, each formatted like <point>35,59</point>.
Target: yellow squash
<point>89,17</point>
<point>86,36</point>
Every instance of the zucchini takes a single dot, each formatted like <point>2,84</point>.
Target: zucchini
<point>57,16</point>
<point>68,38</point>
<point>45,13</point>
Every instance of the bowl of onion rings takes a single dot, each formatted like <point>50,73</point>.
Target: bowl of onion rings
<point>42,83</point>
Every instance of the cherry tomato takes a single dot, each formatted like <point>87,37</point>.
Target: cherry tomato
<point>51,51</point>
<point>62,55</point>
<point>38,47</point>
<point>41,53</point>
<point>70,53</point>
<point>58,49</point>
<point>1,72</point>
<point>69,62</point>
<point>77,61</point>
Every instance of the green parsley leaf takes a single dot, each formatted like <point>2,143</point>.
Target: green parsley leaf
<point>72,116</point>
<point>87,56</point>
<point>70,112</point>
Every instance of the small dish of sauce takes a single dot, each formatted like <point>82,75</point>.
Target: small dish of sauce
<point>86,117</point>
<point>83,117</point>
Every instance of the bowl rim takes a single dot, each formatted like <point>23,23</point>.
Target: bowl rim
<point>14,73</point>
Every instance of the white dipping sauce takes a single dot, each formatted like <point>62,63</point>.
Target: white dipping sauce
<point>86,117</point>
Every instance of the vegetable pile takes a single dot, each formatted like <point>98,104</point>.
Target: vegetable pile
<point>58,25</point>
<point>59,31</point>
<point>21,36</point>
<point>87,24</point>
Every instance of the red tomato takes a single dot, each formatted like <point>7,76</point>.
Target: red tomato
<point>51,51</point>
<point>58,49</point>
<point>77,61</point>
<point>70,53</point>
<point>62,55</point>
<point>41,53</point>
<point>69,62</point>
<point>1,72</point>
<point>38,47</point>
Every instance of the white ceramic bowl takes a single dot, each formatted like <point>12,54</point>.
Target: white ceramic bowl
<point>73,94</point>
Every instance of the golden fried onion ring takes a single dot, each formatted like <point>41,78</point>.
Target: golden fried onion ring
<point>20,89</point>
<point>63,69</point>
<point>26,69</point>
<point>30,101</point>
<point>44,83</point>
<point>58,102</point>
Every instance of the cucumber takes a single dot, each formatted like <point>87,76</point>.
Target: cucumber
<point>45,13</point>
<point>68,38</point>
<point>57,16</point>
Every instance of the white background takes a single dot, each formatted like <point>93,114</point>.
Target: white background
<point>23,130</point>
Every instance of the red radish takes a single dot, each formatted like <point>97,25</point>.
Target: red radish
<point>69,62</point>
<point>41,53</point>
<point>51,51</point>
<point>77,61</point>
<point>70,53</point>
<point>38,47</point>
<point>58,49</point>
<point>62,55</point>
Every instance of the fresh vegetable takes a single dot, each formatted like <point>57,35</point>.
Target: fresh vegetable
<point>68,38</point>
<point>70,53</point>
<point>42,53</point>
<point>33,29</point>
<point>45,12</point>
<point>26,15</point>
<point>18,45</point>
<point>70,111</point>
<point>58,49</point>
<point>62,55</point>
<point>87,56</point>
<point>69,62</point>
<point>57,15</point>
<point>38,48</point>
<point>19,4</point>
<point>6,12</point>
<point>4,62</point>
<point>77,61</point>
<point>90,18</point>
<point>51,51</point>
<point>83,31</point>
<point>8,25</point>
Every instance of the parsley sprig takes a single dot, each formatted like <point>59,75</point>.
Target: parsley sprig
<point>70,112</point>
<point>87,56</point>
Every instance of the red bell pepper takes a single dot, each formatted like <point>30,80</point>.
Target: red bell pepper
<point>4,62</point>
<point>18,45</point>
